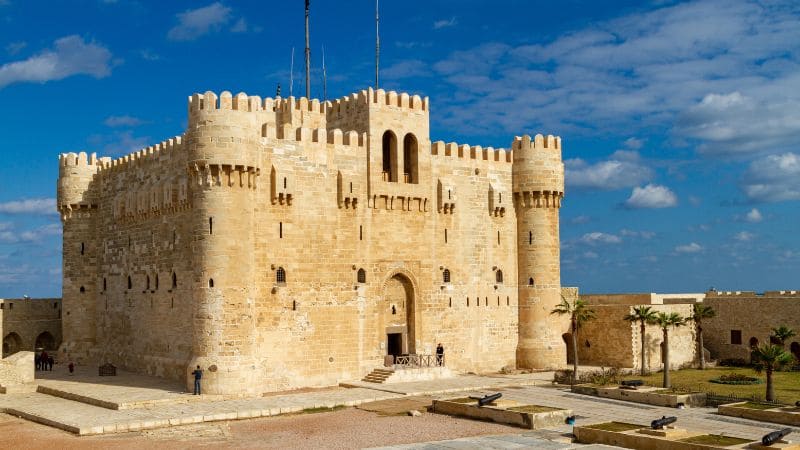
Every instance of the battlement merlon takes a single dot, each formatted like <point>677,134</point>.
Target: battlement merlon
<point>76,172</point>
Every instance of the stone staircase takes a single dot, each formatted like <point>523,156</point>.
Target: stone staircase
<point>378,375</point>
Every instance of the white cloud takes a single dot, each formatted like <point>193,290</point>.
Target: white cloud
<point>10,236</point>
<point>634,143</point>
<point>122,121</point>
<point>406,69</point>
<point>445,23</point>
<point>194,23</point>
<point>773,178</point>
<point>693,247</point>
<point>637,234</point>
<point>597,237</point>
<point>15,47</point>
<point>71,55</point>
<point>623,169</point>
<point>754,216</point>
<point>744,236</point>
<point>651,196</point>
<point>240,26</point>
<point>43,206</point>
<point>580,219</point>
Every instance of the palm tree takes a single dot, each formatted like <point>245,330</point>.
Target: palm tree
<point>666,321</point>
<point>644,315</point>
<point>782,334</point>
<point>579,313</point>
<point>769,358</point>
<point>699,313</point>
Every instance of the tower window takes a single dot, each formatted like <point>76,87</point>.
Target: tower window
<point>467,301</point>
<point>156,281</point>
<point>280,230</point>
<point>446,276</point>
<point>83,289</point>
<point>294,305</point>
<point>130,282</point>
<point>210,225</point>
<point>211,282</point>
<point>284,182</point>
<point>498,237</point>
<point>450,303</point>
<point>104,284</point>
<point>362,276</point>
<point>360,232</point>
<point>410,172</point>
<point>508,301</point>
<point>394,310</point>
<point>530,237</point>
<point>445,235</point>
<point>499,276</point>
<point>530,281</point>
<point>82,248</point>
<point>148,283</point>
<point>280,276</point>
<point>174,280</point>
<point>389,156</point>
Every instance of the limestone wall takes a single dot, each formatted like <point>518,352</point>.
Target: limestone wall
<point>753,316</point>
<point>611,341</point>
<point>26,319</point>
<point>257,187</point>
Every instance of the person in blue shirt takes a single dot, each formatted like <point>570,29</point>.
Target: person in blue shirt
<point>198,374</point>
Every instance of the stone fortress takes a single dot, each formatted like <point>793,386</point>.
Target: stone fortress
<point>284,243</point>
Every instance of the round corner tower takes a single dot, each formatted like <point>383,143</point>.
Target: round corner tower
<point>538,186</point>
<point>77,205</point>
<point>222,142</point>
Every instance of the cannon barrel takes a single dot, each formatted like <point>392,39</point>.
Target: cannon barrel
<point>797,403</point>
<point>662,422</point>
<point>775,436</point>
<point>632,382</point>
<point>489,399</point>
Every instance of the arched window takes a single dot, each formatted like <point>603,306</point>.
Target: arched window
<point>280,276</point>
<point>499,276</point>
<point>211,282</point>
<point>174,280</point>
<point>394,310</point>
<point>83,289</point>
<point>446,276</point>
<point>410,171</point>
<point>130,282</point>
<point>362,276</point>
<point>389,156</point>
<point>530,281</point>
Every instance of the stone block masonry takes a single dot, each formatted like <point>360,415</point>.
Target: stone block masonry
<point>285,243</point>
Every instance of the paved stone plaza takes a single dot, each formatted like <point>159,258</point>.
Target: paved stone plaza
<point>131,402</point>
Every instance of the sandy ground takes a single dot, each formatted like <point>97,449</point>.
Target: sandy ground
<point>343,429</point>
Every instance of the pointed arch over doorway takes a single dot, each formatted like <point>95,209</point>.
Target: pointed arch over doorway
<point>399,296</point>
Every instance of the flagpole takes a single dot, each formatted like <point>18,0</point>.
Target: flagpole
<point>377,45</point>
<point>308,57</point>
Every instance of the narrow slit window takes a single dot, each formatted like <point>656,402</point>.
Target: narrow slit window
<point>360,232</point>
<point>105,284</point>
<point>210,225</point>
<point>156,281</point>
<point>147,283</point>
<point>294,305</point>
<point>174,280</point>
<point>82,247</point>
<point>508,301</point>
<point>280,230</point>
<point>445,235</point>
<point>284,182</point>
<point>211,282</point>
<point>499,276</point>
<point>467,301</point>
<point>450,304</point>
<point>530,237</point>
<point>498,237</point>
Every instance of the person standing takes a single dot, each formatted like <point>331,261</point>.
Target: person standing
<point>439,355</point>
<point>198,374</point>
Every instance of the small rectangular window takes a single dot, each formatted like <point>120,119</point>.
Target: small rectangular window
<point>736,337</point>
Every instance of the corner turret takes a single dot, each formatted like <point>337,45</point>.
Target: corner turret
<point>76,172</point>
<point>538,186</point>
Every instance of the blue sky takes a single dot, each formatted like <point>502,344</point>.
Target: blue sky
<point>680,120</point>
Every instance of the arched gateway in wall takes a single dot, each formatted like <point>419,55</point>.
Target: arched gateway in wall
<point>12,343</point>
<point>399,318</point>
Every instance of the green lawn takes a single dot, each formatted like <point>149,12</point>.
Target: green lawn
<point>787,384</point>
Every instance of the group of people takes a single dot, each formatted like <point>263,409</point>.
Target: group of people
<point>44,361</point>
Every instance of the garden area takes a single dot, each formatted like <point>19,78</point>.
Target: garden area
<point>787,384</point>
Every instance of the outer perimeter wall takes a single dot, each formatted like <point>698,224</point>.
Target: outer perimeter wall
<point>299,256</point>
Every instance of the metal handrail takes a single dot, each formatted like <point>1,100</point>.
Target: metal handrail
<point>414,361</point>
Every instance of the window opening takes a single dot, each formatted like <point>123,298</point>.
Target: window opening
<point>280,275</point>
<point>499,276</point>
<point>362,276</point>
<point>446,275</point>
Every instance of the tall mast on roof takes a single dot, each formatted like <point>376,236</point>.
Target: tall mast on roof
<point>308,58</point>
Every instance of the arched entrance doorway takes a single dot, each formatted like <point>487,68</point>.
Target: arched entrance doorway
<point>12,343</point>
<point>46,341</point>
<point>398,315</point>
<point>567,337</point>
<point>795,349</point>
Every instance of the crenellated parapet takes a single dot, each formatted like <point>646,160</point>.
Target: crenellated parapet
<point>476,152</point>
<point>76,175</point>
<point>749,294</point>
<point>538,171</point>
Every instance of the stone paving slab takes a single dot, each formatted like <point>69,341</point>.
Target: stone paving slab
<point>85,419</point>
<point>506,441</point>
<point>457,384</point>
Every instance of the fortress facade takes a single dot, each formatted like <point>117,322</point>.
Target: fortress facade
<point>283,243</point>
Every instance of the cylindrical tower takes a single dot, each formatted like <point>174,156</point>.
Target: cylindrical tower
<point>538,183</point>
<point>77,206</point>
<point>222,142</point>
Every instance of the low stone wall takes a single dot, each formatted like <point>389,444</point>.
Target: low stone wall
<point>17,369</point>
<point>784,415</point>
<point>645,439</point>
<point>647,395</point>
<point>421,374</point>
<point>500,413</point>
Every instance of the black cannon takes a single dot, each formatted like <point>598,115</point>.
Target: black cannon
<point>485,400</point>
<point>570,420</point>
<point>775,436</point>
<point>632,383</point>
<point>797,403</point>
<point>662,422</point>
